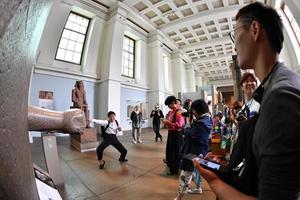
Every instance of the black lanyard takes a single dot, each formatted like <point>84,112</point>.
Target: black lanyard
<point>259,92</point>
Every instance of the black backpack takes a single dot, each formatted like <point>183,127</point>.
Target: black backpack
<point>104,128</point>
<point>242,168</point>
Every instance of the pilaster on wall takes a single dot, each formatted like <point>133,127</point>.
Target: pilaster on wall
<point>178,73</point>
<point>110,85</point>
<point>190,78</point>
<point>156,71</point>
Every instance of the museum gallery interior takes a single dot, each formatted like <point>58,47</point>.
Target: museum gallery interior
<point>66,63</point>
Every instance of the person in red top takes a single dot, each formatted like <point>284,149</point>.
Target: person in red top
<point>175,123</point>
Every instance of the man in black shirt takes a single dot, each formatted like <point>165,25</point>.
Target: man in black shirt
<point>157,114</point>
<point>276,143</point>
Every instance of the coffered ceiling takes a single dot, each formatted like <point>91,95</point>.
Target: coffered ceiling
<point>197,27</point>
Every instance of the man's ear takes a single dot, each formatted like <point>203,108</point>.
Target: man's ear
<point>255,29</point>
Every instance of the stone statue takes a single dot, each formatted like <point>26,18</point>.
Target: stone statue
<point>79,100</point>
<point>70,121</point>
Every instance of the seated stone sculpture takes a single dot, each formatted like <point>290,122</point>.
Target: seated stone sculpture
<point>79,100</point>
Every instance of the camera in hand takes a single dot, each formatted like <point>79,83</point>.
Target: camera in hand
<point>185,114</point>
<point>242,115</point>
<point>216,167</point>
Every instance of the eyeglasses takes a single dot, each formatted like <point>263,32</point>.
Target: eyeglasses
<point>232,33</point>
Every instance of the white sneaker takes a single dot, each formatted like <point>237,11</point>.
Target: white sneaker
<point>139,141</point>
<point>195,190</point>
<point>134,141</point>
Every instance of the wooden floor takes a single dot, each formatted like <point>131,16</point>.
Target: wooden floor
<point>143,177</point>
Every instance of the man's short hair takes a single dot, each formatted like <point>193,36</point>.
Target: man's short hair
<point>200,106</point>
<point>246,76</point>
<point>111,113</point>
<point>268,18</point>
<point>169,100</point>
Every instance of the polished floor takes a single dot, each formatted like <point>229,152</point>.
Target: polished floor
<point>143,177</point>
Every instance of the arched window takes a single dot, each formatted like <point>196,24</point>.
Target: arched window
<point>73,38</point>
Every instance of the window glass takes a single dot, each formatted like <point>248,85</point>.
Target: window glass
<point>70,47</point>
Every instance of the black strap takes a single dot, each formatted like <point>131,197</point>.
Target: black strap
<point>174,116</point>
<point>106,126</point>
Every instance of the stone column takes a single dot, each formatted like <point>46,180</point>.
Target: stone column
<point>178,73</point>
<point>156,71</point>
<point>236,76</point>
<point>110,83</point>
<point>190,78</point>
<point>22,23</point>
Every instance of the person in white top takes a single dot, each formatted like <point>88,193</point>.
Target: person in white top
<point>249,84</point>
<point>109,134</point>
<point>250,107</point>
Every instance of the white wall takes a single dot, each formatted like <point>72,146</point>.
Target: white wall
<point>128,96</point>
<point>62,91</point>
<point>102,59</point>
<point>52,33</point>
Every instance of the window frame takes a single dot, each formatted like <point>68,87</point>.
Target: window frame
<point>84,41</point>
<point>282,7</point>
<point>134,47</point>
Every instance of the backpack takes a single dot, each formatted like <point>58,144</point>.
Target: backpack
<point>242,168</point>
<point>104,128</point>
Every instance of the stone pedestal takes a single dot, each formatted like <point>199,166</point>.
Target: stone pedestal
<point>51,157</point>
<point>87,141</point>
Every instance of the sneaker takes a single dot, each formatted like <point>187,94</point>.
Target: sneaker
<point>123,160</point>
<point>134,141</point>
<point>195,190</point>
<point>140,141</point>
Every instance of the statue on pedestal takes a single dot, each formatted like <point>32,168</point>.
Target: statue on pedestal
<point>79,100</point>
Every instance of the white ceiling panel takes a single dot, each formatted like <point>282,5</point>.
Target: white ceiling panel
<point>199,28</point>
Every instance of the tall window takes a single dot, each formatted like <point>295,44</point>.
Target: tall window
<point>128,57</point>
<point>292,21</point>
<point>72,41</point>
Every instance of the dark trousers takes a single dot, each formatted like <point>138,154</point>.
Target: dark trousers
<point>111,139</point>
<point>156,128</point>
<point>172,151</point>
